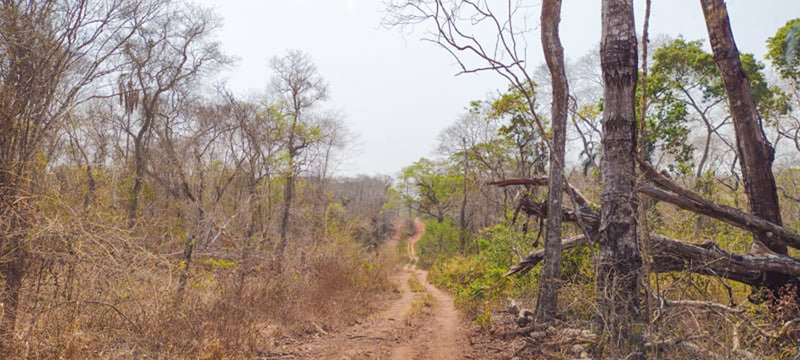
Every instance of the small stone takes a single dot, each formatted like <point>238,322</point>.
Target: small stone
<point>578,349</point>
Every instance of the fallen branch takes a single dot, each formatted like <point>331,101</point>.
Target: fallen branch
<point>674,255</point>
<point>723,213</point>
<point>537,256</point>
<point>691,348</point>
<point>670,192</point>
<point>709,259</point>
<point>664,189</point>
<point>542,181</point>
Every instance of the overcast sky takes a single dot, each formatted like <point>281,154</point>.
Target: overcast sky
<point>398,93</point>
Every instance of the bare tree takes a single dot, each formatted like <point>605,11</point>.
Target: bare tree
<point>454,143</point>
<point>167,55</point>
<point>480,152</point>
<point>258,136</point>
<point>549,280</point>
<point>755,151</point>
<point>328,149</point>
<point>300,87</point>
<point>51,52</point>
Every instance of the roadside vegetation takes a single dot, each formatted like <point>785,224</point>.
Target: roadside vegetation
<point>147,211</point>
<point>484,196</point>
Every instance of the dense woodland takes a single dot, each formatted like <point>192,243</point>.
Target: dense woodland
<point>643,196</point>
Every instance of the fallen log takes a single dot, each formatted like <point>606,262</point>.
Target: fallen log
<point>673,255</point>
<point>723,213</point>
<point>666,190</point>
<point>708,258</point>
<point>535,257</point>
<point>542,181</point>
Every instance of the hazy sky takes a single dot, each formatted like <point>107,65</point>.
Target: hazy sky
<point>398,93</point>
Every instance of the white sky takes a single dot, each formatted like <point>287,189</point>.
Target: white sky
<point>398,93</point>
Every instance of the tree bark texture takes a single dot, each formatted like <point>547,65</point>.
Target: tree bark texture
<point>288,195</point>
<point>549,280</point>
<point>755,151</point>
<point>619,262</point>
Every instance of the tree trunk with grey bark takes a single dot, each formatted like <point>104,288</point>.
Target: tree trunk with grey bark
<point>463,215</point>
<point>619,262</point>
<point>138,180</point>
<point>549,280</point>
<point>288,195</point>
<point>755,151</point>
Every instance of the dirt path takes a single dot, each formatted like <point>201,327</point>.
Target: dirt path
<point>443,335</point>
<point>398,332</point>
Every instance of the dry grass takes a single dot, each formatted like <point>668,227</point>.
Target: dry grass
<point>415,285</point>
<point>93,292</point>
<point>419,307</point>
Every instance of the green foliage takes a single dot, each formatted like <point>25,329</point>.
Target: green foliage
<point>478,283</point>
<point>426,185</point>
<point>440,241</point>
<point>495,151</point>
<point>783,50</point>
<point>684,79</point>
<point>520,126</point>
<point>219,264</point>
<point>679,68</point>
<point>475,284</point>
<point>590,156</point>
<point>667,132</point>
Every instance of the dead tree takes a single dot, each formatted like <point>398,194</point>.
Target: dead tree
<point>51,52</point>
<point>549,280</point>
<point>168,55</point>
<point>754,149</point>
<point>299,84</point>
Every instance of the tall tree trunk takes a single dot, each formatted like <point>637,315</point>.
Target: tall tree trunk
<point>463,222</point>
<point>641,153</point>
<point>91,189</point>
<point>549,280</point>
<point>138,175</point>
<point>619,262</point>
<point>288,194</point>
<point>754,149</point>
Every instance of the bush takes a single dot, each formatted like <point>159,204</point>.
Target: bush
<point>478,283</point>
<point>440,241</point>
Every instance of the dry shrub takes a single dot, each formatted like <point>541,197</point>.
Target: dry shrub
<point>94,291</point>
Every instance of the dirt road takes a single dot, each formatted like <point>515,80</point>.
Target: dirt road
<point>401,331</point>
<point>443,335</point>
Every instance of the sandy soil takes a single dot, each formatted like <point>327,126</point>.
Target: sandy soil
<point>442,336</point>
<point>438,333</point>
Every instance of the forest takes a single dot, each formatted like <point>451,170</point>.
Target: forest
<point>641,201</point>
